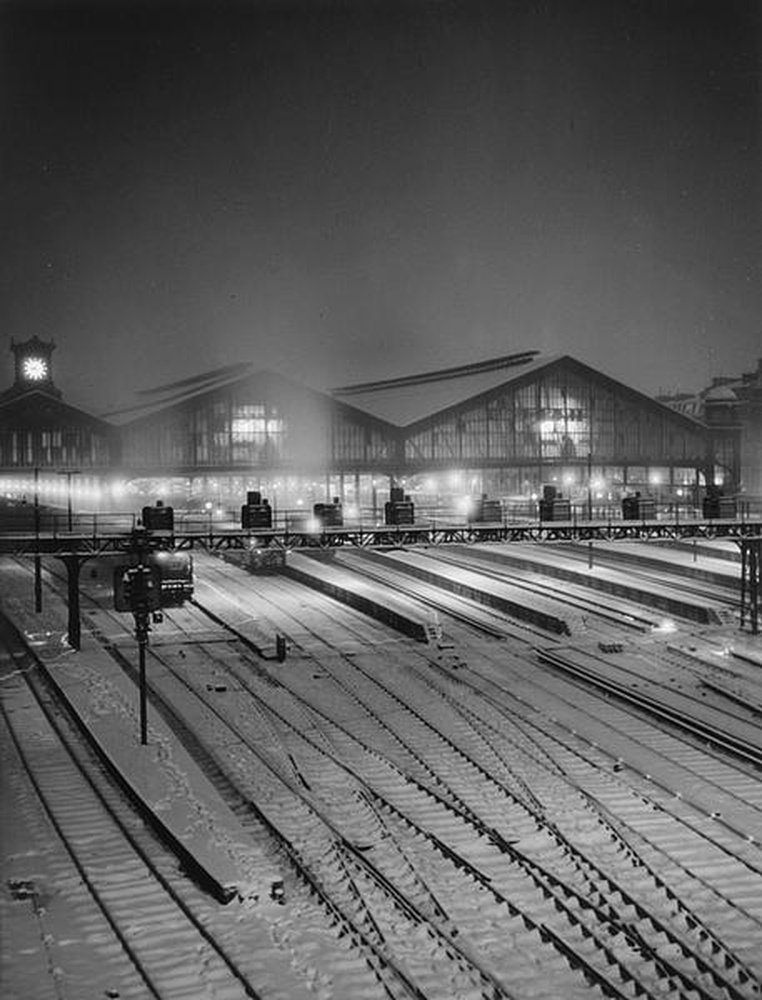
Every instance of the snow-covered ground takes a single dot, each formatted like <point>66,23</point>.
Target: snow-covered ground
<point>346,748</point>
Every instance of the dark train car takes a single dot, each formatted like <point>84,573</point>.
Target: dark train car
<point>176,575</point>
<point>168,581</point>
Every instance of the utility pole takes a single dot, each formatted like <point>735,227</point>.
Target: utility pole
<point>69,514</point>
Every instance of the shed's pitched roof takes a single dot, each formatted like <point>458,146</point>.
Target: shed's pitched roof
<point>37,407</point>
<point>414,400</point>
<point>410,398</point>
<point>172,393</point>
<point>242,377</point>
<point>399,402</point>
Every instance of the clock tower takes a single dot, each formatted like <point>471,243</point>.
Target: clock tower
<point>33,364</point>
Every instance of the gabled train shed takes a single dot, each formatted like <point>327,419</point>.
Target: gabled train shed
<point>507,428</point>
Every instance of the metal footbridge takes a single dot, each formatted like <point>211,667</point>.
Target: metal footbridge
<point>75,547</point>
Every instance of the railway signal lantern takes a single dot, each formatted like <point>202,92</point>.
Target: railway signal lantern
<point>163,579</point>
<point>137,588</point>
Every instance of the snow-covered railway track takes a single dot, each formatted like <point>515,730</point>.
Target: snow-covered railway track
<point>127,895</point>
<point>464,807</point>
<point>287,954</point>
<point>716,667</point>
<point>691,920</point>
<point>457,844</point>
<point>686,813</point>
<point>622,874</point>
<point>732,727</point>
<point>362,901</point>
<point>282,606</point>
<point>384,899</point>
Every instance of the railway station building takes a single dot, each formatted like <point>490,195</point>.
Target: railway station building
<point>45,444</point>
<point>508,428</point>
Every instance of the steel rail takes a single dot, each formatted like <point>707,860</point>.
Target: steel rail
<point>544,878</point>
<point>67,728</point>
<point>739,748</point>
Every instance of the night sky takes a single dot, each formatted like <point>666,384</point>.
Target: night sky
<point>348,191</point>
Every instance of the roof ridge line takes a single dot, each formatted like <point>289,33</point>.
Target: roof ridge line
<point>473,368</point>
<point>210,376</point>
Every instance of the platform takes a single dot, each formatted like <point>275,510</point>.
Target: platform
<point>353,590</point>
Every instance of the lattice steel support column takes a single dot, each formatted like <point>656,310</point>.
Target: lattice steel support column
<point>73,565</point>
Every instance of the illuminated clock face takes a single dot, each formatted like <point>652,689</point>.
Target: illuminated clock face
<point>35,369</point>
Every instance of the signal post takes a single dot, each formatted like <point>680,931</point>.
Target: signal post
<point>138,589</point>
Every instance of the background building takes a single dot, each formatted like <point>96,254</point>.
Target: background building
<point>734,401</point>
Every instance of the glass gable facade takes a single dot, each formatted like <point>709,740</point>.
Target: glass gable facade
<point>220,433</point>
<point>259,427</point>
<point>560,417</point>
<point>53,448</point>
<point>360,444</point>
<point>561,422</point>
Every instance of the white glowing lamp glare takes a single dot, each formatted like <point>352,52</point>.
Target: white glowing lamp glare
<point>35,368</point>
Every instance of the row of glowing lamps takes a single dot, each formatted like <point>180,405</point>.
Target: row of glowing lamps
<point>66,484</point>
<point>63,485</point>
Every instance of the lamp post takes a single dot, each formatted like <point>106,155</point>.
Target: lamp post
<point>69,473</point>
<point>590,486</point>
<point>37,560</point>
